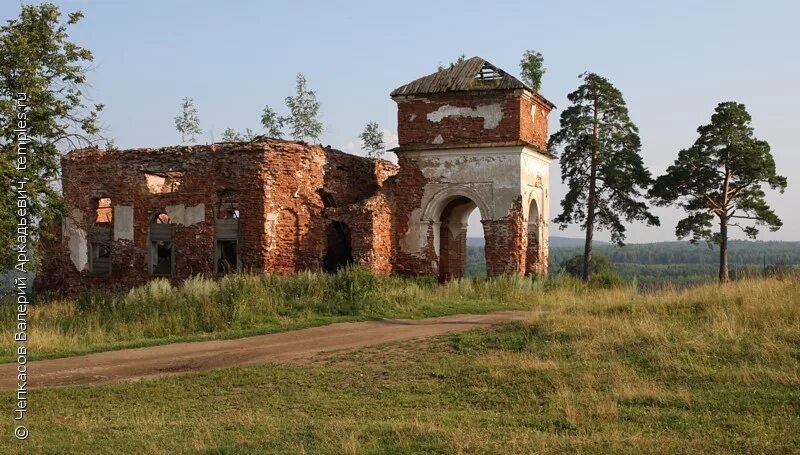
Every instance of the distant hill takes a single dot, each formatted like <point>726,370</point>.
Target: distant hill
<point>655,264</point>
<point>555,241</point>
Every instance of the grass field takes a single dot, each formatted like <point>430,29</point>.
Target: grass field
<point>705,370</point>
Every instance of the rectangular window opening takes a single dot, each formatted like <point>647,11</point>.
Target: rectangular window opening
<point>163,182</point>
<point>103,211</point>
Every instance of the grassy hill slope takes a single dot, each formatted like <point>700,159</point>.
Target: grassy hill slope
<point>705,370</point>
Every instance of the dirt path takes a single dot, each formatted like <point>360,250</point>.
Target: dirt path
<point>297,346</point>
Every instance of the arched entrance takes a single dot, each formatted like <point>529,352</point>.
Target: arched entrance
<point>453,229</point>
<point>339,251</point>
<point>533,256</point>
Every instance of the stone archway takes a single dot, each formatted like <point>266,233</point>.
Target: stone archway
<point>533,254</point>
<point>452,225</point>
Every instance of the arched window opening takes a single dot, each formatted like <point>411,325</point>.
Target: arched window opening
<point>162,248</point>
<point>339,251</point>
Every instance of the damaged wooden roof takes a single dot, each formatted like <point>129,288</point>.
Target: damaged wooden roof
<point>472,74</point>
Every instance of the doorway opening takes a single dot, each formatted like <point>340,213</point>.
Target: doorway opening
<point>339,252</point>
<point>461,240</point>
<point>533,258</point>
<point>162,253</point>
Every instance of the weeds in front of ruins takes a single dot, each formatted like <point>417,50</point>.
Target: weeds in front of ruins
<point>241,305</point>
<point>710,369</point>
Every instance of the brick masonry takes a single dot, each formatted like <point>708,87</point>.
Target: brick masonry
<point>305,207</point>
<point>287,194</point>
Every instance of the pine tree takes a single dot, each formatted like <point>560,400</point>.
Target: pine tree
<point>372,140</point>
<point>721,176</point>
<point>601,164</point>
<point>38,59</point>
<point>303,112</point>
<point>532,67</point>
<point>187,122</point>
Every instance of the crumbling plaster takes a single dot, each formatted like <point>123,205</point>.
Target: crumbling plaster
<point>76,240</point>
<point>490,113</point>
<point>489,177</point>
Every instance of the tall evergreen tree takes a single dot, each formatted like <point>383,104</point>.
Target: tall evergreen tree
<point>38,59</point>
<point>372,140</point>
<point>303,116</point>
<point>721,176</point>
<point>601,164</point>
<point>187,122</point>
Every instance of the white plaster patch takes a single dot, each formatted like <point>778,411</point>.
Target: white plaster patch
<point>438,140</point>
<point>415,238</point>
<point>271,221</point>
<point>490,113</point>
<point>123,222</point>
<point>78,247</point>
<point>196,214</point>
<point>186,216</point>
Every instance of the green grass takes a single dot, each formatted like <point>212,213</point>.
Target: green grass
<point>244,305</point>
<point>705,370</point>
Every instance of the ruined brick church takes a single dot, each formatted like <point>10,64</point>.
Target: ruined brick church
<point>470,137</point>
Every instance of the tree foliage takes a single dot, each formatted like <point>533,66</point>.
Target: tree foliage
<point>272,123</point>
<point>231,135</point>
<point>372,140</point>
<point>722,176</point>
<point>601,163</point>
<point>303,119</point>
<point>460,59</point>
<point>532,68</point>
<point>37,58</point>
<point>599,264</point>
<point>187,122</point>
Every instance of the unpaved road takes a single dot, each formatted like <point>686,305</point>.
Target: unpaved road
<point>297,346</point>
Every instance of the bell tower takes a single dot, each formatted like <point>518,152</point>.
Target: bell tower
<point>471,137</point>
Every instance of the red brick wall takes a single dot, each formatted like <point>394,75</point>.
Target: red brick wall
<point>414,127</point>
<point>406,192</point>
<point>516,124</point>
<point>506,243</point>
<point>278,186</point>
<point>533,131</point>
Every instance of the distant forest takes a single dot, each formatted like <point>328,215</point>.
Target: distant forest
<point>655,264</point>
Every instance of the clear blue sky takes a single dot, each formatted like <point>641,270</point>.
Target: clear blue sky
<point>674,61</point>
